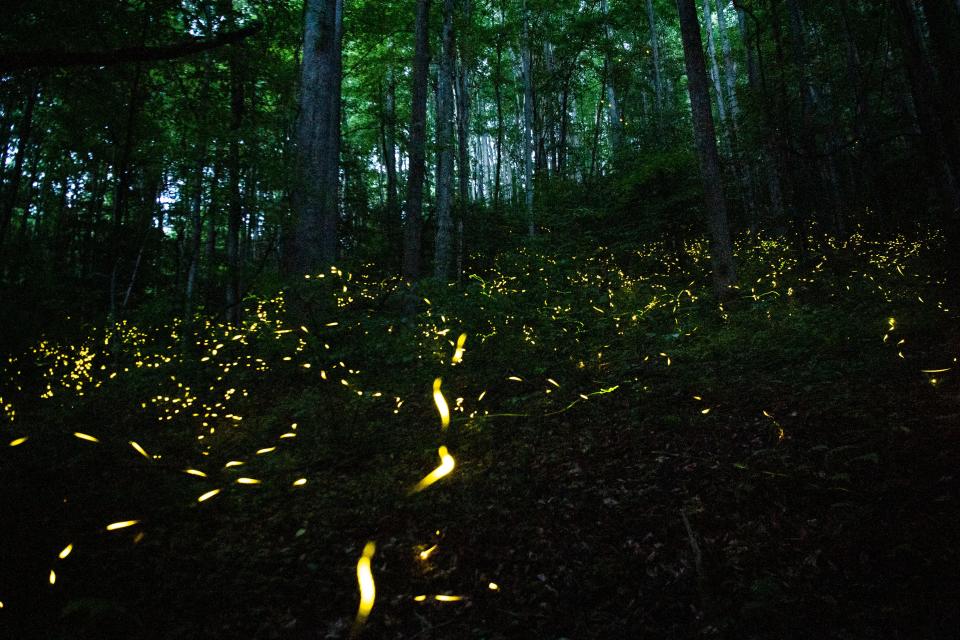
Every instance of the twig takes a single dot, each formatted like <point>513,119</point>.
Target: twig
<point>697,555</point>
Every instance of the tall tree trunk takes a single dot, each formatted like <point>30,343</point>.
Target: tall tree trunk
<point>615,130</point>
<point>390,147</point>
<point>418,134</point>
<point>598,119</point>
<point>944,28</point>
<point>768,157</point>
<point>23,141</point>
<point>655,51</point>
<point>714,67</point>
<point>741,166</point>
<point>235,210</point>
<point>527,122</point>
<point>721,249</point>
<point>444,237</point>
<point>121,192</point>
<point>315,193</point>
<point>729,64</point>
<point>942,173</point>
<point>463,135</point>
<point>498,96</point>
<point>196,238</point>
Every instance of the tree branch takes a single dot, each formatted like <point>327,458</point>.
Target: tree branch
<point>45,58</point>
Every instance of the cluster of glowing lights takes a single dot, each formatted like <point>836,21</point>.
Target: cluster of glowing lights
<point>595,291</point>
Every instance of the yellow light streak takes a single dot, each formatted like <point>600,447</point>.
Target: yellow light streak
<point>208,495</point>
<point>426,553</point>
<point>18,441</point>
<point>121,525</point>
<point>84,436</point>
<point>66,551</point>
<point>368,589</point>
<point>493,586</point>
<point>458,354</point>
<point>419,598</point>
<point>441,403</point>
<point>195,472</point>
<point>232,463</point>
<point>265,450</point>
<point>444,598</point>
<point>935,370</point>
<point>446,466</point>
<point>248,481</point>
<point>53,577</point>
<point>300,482</point>
<point>139,449</point>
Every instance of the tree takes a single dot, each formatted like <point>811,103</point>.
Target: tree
<point>443,250</point>
<point>317,139</point>
<point>704,133</point>
<point>418,135</point>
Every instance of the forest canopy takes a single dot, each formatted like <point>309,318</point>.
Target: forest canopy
<point>182,151</point>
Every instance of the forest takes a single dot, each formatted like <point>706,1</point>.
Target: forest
<point>480,319</point>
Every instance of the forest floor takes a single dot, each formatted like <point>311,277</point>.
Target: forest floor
<point>631,460</point>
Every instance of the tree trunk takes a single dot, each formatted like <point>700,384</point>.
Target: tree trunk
<point>235,210</point>
<point>498,96</point>
<point>196,238</point>
<point>23,141</point>
<point>721,249</point>
<point>444,237</point>
<point>317,138</point>
<point>943,175</point>
<point>714,67</point>
<point>418,134</point>
<point>615,130</point>
<point>123,186</point>
<point>655,51</point>
<point>944,27</point>
<point>527,122</point>
<point>390,147</point>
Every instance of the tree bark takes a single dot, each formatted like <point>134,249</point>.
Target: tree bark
<point>390,146</point>
<point>498,97</point>
<point>721,247</point>
<point>418,133</point>
<point>235,211</point>
<point>615,130</point>
<point>444,237</point>
<point>655,51</point>
<point>943,175</point>
<point>317,138</point>
<point>527,122</point>
<point>23,141</point>
<point>714,67</point>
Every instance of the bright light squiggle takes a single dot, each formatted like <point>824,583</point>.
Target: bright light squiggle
<point>446,466</point>
<point>368,590</point>
<point>441,403</point>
